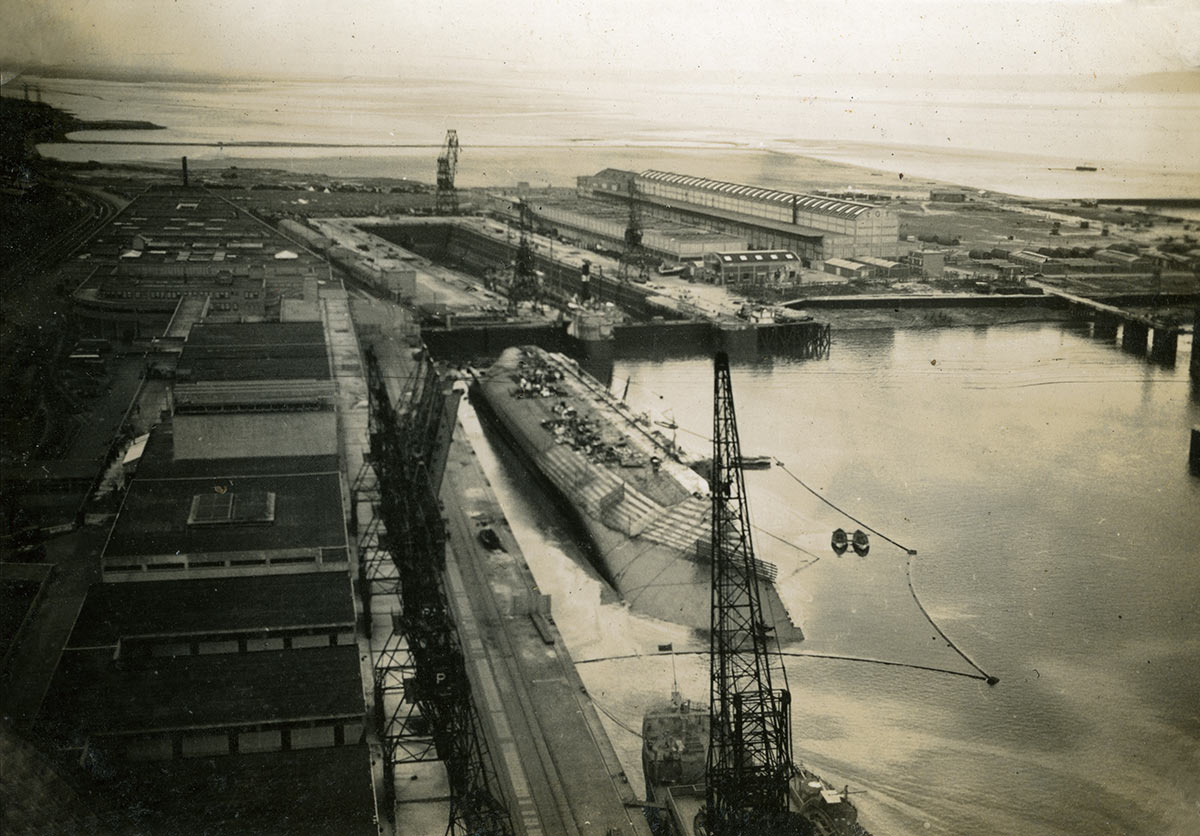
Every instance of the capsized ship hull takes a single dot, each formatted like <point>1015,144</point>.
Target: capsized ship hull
<point>644,509</point>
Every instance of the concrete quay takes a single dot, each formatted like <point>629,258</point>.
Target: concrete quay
<point>546,737</point>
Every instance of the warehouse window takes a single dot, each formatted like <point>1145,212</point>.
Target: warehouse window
<point>228,508</point>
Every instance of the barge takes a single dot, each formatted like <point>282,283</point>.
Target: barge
<point>674,752</point>
<point>633,491</point>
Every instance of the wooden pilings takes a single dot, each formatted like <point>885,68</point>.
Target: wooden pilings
<point>1195,368</point>
<point>1134,335</point>
<point>1105,326</point>
<point>1164,346</point>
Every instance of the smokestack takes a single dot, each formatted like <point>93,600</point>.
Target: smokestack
<point>185,179</point>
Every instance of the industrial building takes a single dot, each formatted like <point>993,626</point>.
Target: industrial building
<point>174,248</point>
<point>753,269</point>
<point>212,681</point>
<point>602,222</point>
<point>928,263</point>
<point>815,227</point>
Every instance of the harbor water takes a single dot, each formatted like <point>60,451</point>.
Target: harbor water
<point>549,130</point>
<point>1041,478</point>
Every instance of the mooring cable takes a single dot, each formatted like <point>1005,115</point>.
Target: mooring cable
<point>991,680</point>
<point>841,511</point>
<point>802,654</point>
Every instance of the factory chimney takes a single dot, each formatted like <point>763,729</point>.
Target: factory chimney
<point>185,177</point>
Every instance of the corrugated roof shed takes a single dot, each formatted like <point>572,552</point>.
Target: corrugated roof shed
<point>117,610</point>
<point>845,265</point>
<point>805,202</point>
<point>91,695</point>
<point>309,792</point>
<point>157,516</point>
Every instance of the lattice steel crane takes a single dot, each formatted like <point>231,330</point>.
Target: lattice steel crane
<point>633,257</point>
<point>524,286</point>
<point>752,785</point>
<point>749,760</point>
<point>446,200</point>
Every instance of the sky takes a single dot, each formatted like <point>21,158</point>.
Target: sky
<point>713,39</point>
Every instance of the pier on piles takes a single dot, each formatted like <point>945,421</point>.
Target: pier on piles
<point>1138,330</point>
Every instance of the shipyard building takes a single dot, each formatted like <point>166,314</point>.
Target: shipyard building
<point>216,666</point>
<point>815,227</point>
<point>215,679</point>
<point>185,253</point>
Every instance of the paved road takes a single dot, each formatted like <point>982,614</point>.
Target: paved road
<point>546,732</point>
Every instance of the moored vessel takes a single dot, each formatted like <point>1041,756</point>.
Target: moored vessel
<point>674,751</point>
<point>634,492</point>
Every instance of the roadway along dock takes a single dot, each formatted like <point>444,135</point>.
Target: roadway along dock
<point>563,772</point>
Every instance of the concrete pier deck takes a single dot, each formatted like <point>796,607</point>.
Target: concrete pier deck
<point>545,733</point>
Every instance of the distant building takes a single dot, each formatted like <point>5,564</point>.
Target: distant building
<point>882,267</point>
<point>749,269</point>
<point>1131,261</point>
<point>174,248</point>
<point>848,269</point>
<point>815,227</point>
<point>947,196</point>
<point>928,263</point>
<point>613,180</point>
<point>600,222</point>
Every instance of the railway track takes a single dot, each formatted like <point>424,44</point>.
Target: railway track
<point>63,243</point>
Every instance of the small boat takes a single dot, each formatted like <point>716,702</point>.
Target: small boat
<point>840,541</point>
<point>1085,168</point>
<point>860,543</point>
<point>754,462</point>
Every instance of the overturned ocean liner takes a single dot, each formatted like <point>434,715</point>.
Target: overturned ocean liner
<point>637,496</point>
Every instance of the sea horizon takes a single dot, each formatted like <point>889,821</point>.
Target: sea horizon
<point>1010,141</point>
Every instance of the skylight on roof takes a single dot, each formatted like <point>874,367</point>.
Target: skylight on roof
<point>226,507</point>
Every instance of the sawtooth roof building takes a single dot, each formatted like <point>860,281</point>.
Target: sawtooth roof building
<point>815,227</point>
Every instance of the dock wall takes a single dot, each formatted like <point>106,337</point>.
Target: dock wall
<point>466,249</point>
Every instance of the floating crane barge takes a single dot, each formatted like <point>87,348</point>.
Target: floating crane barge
<point>726,769</point>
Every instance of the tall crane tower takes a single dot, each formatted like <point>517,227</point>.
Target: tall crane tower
<point>633,257</point>
<point>446,199</point>
<point>524,286</point>
<point>749,761</point>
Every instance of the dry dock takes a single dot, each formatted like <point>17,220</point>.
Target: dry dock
<point>547,738</point>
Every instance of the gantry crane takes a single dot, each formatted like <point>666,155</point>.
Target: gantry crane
<point>446,199</point>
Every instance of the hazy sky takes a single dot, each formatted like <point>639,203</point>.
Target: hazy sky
<point>713,38</point>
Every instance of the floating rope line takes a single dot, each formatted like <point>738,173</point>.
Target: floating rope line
<point>801,483</point>
<point>991,680</point>
<point>983,677</point>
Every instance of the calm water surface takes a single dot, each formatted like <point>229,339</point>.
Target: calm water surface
<point>1022,142</point>
<point>1041,477</point>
